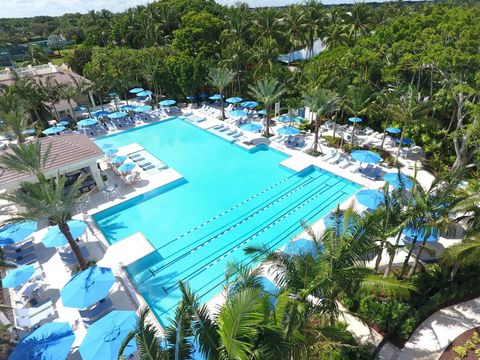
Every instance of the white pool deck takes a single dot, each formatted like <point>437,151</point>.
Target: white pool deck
<point>124,252</point>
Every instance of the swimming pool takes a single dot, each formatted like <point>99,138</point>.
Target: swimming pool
<point>229,198</point>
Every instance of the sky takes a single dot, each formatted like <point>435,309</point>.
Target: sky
<point>28,8</point>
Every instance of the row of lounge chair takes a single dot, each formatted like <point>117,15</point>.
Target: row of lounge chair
<point>345,162</point>
<point>234,133</point>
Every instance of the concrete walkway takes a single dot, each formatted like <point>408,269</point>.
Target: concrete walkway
<point>433,336</point>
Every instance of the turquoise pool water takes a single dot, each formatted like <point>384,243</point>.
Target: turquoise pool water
<point>230,198</point>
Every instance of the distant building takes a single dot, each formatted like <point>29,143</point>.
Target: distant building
<point>41,73</point>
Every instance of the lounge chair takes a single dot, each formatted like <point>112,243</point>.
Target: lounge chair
<point>335,159</point>
<point>148,167</point>
<point>344,163</point>
<point>135,155</point>
<point>327,155</point>
<point>372,173</point>
<point>144,164</point>
<point>138,159</point>
<point>99,310</point>
<point>69,258</point>
<point>353,168</point>
<point>34,315</point>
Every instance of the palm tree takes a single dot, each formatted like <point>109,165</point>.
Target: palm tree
<point>357,103</point>
<point>237,55</point>
<point>465,253</point>
<point>267,91</point>
<point>295,21</point>
<point>336,35</point>
<point>358,20</point>
<point>315,21</point>
<point>220,78</point>
<point>14,122</point>
<point>322,103</point>
<point>266,23</point>
<point>265,56</point>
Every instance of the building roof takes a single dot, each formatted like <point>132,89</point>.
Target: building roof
<point>65,151</point>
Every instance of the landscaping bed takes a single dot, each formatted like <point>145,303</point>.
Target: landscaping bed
<point>465,347</point>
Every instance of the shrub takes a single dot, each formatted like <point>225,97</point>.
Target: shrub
<point>460,351</point>
<point>470,345</point>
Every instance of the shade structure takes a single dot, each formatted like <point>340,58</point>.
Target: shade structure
<point>234,100</point>
<point>136,90</point>
<point>249,104</point>
<point>144,93</point>
<point>63,123</point>
<point>405,141</point>
<point>127,107</point>
<point>117,115</point>
<point>15,233</point>
<point>106,335</point>
<point>55,238</point>
<point>372,199</point>
<point>87,122</point>
<point>18,276</point>
<point>355,120</point>
<point>80,108</point>
<point>411,233</point>
<point>53,130</point>
<point>100,113</point>
<point>168,102</point>
<point>111,151</point>
<point>393,130</point>
<point>126,167</point>
<point>215,97</point>
<point>118,159</point>
<point>251,127</point>
<point>237,113</point>
<point>263,112</point>
<point>141,109</point>
<point>50,341</point>
<point>87,287</point>
<point>288,130</point>
<point>394,179</point>
<point>301,246</point>
<point>366,156</point>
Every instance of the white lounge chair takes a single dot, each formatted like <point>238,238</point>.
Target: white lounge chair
<point>335,159</point>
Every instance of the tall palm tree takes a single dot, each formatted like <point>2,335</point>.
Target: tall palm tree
<point>220,78</point>
<point>268,92</point>
<point>294,19</point>
<point>266,23</point>
<point>265,56</point>
<point>336,35</point>
<point>314,14</point>
<point>322,103</point>
<point>357,103</point>
<point>358,20</point>
<point>14,122</point>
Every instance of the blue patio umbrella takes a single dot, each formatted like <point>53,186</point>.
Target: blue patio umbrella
<point>126,167</point>
<point>405,141</point>
<point>234,100</point>
<point>118,159</point>
<point>410,234</point>
<point>236,113</point>
<point>144,93</point>
<point>55,238</point>
<point>168,102</point>
<point>366,156</point>
<point>117,115</point>
<point>288,130</point>
<point>270,288</point>
<point>127,107</point>
<point>370,198</point>
<point>284,119</point>
<point>112,94</point>
<point>249,104</point>
<point>32,131</point>
<point>50,341</point>
<point>215,97</point>
<point>63,123</point>
<point>301,246</point>
<point>15,233</point>
<point>262,112</point>
<point>87,287</point>
<point>111,152</point>
<point>330,220</point>
<point>80,108</point>
<point>393,130</point>
<point>251,127</point>
<point>355,120</point>
<point>53,130</point>
<point>136,90</point>
<point>18,276</point>
<point>87,122</point>
<point>141,109</point>
<point>105,336</point>
<point>394,180</point>
<point>100,113</point>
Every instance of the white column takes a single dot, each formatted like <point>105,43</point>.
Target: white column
<point>97,176</point>
<point>90,95</point>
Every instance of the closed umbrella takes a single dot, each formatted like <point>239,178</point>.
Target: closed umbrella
<point>236,113</point>
<point>118,159</point>
<point>55,238</point>
<point>53,130</point>
<point>50,341</point>
<point>366,156</point>
<point>234,100</point>
<point>168,102</point>
<point>105,336</point>
<point>18,276</point>
<point>87,287</point>
<point>87,122</point>
<point>126,167</point>
<point>15,233</point>
<point>288,130</point>
<point>370,198</point>
<point>135,90</point>
<point>251,127</point>
<point>395,180</point>
<point>117,115</point>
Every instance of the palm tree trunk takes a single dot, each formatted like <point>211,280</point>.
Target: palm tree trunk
<point>221,107</point>
<point>388,269</point>
<point>315,141</point>
<point>353,132</point>
<point>73,111</point>
<point>400,144</point>
<point>383,140</point>
<point>335,127</point>
<point>379,256</point>
<point>65,229</point>
<point>417,258</point>
<point>126,98</point>
<point>267,122</point>
<point>407,259</point>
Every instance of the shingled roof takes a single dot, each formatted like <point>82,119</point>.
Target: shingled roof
<point>64,150</point>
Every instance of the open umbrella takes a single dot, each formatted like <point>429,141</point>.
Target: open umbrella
<point>411,233</point>
<point>18,276</point>
<point>330,221</point>
<point>80,108</point>
<point>405,141</point>
<point>366,156</point>
<point>168,102</point>
<point>190,97</point>
<point>105,336</point>
<point>394,179</point>
<point>100,113</point>
<point>144,93</point>
<point>118,159</point>
<point>249,104</point>
<point>117,115</point>
<point>234,100</point>
<point>87,122</point>
<point>141,109</point>
<point>53,130</point>
<point>111,151</point>
<point>301,246</point>
<point>64,122</point>
<point>251,127</point>
<point>127,107</point>
<point>50,341</point>
<point>236,113</point>
<point>135,90</point>
<point>87,287</point>
<point>126,167</point>
<point>215,97</point>
<point>393,130</point>
<point>15,233</point>
<point>55,238</point>
<point>262,112</point>
<point>288,130</point>
<point>355,120</point>
<point>370,198</point>
<point>284,119</point>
